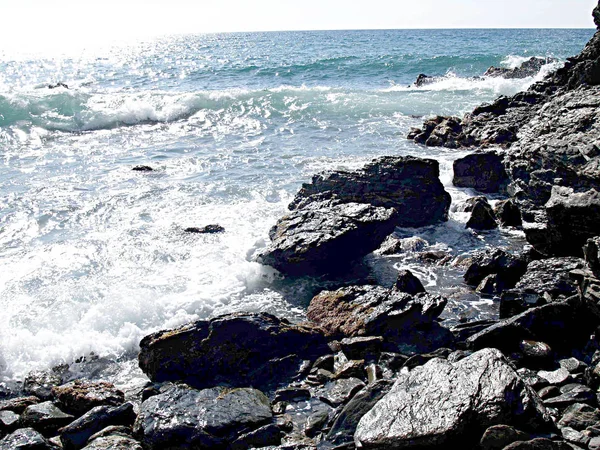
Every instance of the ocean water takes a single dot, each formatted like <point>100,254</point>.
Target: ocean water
<point>93,256</point>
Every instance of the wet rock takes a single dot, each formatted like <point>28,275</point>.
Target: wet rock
<point>354,368</point>
<point>508,213</point>
<point>393,245</point>
<point>341,391</point>
<point>115,442</point>
<point>365,348</point>
<point>143,169</point>
<point>316,422</point>
<point>409,185</point>
<point>497,437</point>
<point>40,384</point>
<point>482,216</point>
<point>407,282</point>
<point>76,434</point>
<point>291,394</point>
<point>538,444</point>
<point>60,84</point>
<point>262,437</point>
<point>549,392</point>
<point>528,68</point>
<point>440,131</point>
<point>578,394</point>
<point>345,423</point>
<point>26,439</point>
<point>423,80</point>
<point>45,418</point>
<point>241,349</point>
<point>182,417</point>
<point>508,267</point>
<point>392,361</point>
<point>325,362</point>
<point>483,171</point>
<point>532,378</point>
<point>208,229</point>
<point>551,276</point>
<point>579,416</point>
<point>444,403</point>
<point>9,422</point>
<point>327,236</point>
<point>574,436</point>
<point>535,353</point>
<point>18,404</point>
<point>79,396</point>
<point>591,252</point>
<point>573,365</point>
<point>465,330</point>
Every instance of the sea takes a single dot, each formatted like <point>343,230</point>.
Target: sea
<point>94,256</point>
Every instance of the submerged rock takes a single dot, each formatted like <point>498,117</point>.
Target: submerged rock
<point>451,404</point>
<point>208,229</point>
<point>242,349</point>
<point>528,68</point>
<point>182,417</point>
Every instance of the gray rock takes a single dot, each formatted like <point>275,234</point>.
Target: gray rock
<point>241,349</point>
<point>591,253</point>
<point>18,404</point>
<point>407,282</point>
<point>483,171</point>
<point>9,422</point>
<point>80,396</point>
<point>114,443</point>
<point>40,384</point>
<point>327,236</point>
<point>579,416</point>
<point>482,216</point>
<point>444,403</point>
<point>551,276</point>
<point>75,435</point>
<point>508,267</point>
<point>556,377</point>
<point>393,245</point>
<point>580,394</point>
<point>182,417</point>
<point>26,439</point>
<point>45,418</point>
<point>528,68</point>
<point>497,437</point>
<point>262,437</point>
<point>574,436</point>
<point>539,444</point>
<point>508,213</point>
<point>341,391</point>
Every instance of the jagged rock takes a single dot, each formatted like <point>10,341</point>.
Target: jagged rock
<point>40,384</point>
<point>591,252</point>
<point>182,417</point>
<point>463,331</point>
<point>497,437</point>
<point>76,434</point>
<point>574,436</point>
<point>344,424</point>
<point>18,404</point>
<point>482,216</point>
<point>393,245</point>
<point>409,185</point>
<point>408,283</point>
<point>539,444</point>
<point>405,322</point>
<point>79,396</point>
<point>528,68</point>
<point>551,276</point>
<point>446,404</point>
<point>115,442</point>
<point>483,171</point>
<point>365,348</point>
<point>45,418</point>
<point>423,80</point>
<point>579,416</point>
<point>508,267</point>
<point>327,236</point>
<point>316,422</point>
<point>577,394</point>
<point>573,365</point>
<point>441,131</point>
<point>572,219</point>
<point>241,349</point>
<point>208,229</point>
<point>262,437</point>
<point>508,213</point>
<point>355,368</point>
<point>26,439</point>
<point>341,391</point>
<point>9,422</point>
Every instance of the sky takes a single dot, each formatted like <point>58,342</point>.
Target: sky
<point>44,21</point>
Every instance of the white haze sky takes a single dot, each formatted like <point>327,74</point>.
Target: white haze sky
<point>41,22</point>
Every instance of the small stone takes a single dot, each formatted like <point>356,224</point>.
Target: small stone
<point>549,392</point>
<point>374,373</point>
<point>573,365</point>
<point>26,439</point>
<point>574,436</point>
<point>143,169</point>
<point>40,384</point>
<point>18,405</point>
<point>556,377</point>
<point>580,394</point>
<point>9,422</point>
<point>580,416</point>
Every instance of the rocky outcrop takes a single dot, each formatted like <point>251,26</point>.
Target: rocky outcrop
<point>482,215</point>
<point>483,171</point>
<point>327,236</point>
<point>446,404</point>
<point>182,417</point>
<point>240,349</point>
<point>528,68</point>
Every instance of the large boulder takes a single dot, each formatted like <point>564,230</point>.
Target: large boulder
<point>409,185</point>
<point>184,418</point>
<point>240,349</point>
<point>327,236</point>
<point>483,171</point>
<point>444,404</point>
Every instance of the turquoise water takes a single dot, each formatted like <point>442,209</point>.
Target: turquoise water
<point>93,256</point>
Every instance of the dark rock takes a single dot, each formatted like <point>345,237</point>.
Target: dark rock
<point>409,185</point>
<point>497,437</point>
<point>60,84</point>
<point>463,331</point>
<point>26,439</point>
<point>182,417</point>
<point>515,301</point>
<point>327,236</point>
<point>324,362</point>
<point>354,368</point>
<point>75,435</point>
<point>143,169</point>
<point>579,416</point>
<point>365,348</point>
<point>208,229</point>
<point>551,276</point>
<point>528,68</point>
<point>532,378</point>
<point>45,418</point>
<point>446,404</point>
<point>549,392</point>
<point>316,422</point>
<point>374,373</point>
<point>341,391</point>
<point>262,437</point>
<point>392,361</point>
<point>579,394</point>
<point>483,171</point>
<point>441,131</point>
<point>574,436</point>
<point>423,80</point>
<point>536,353</point>
<point>508,213</point>
<point>291,394</point>
<point>241,349</point>
<point>393,245</point>
<point>482,216</point>
<point>40,384</point>
<point>18,404</point>
<point>407,282</point>
<point>79,396</point>
<point>344,424</point>
<point>115,442</point>
<point>538,444</point>
<point>508,267</point>
<point>9,422</point>
<point>591,252</point>
<point>490,285</point>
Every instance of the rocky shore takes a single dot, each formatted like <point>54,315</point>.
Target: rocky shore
<point>374,367</point>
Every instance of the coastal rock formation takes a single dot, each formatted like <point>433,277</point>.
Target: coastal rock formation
<point>241,350</point>
<point>182,417</point>
<point>528,68</point>
<point>444,404</point>
<point>342,216</point>
<point>483,171</point>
